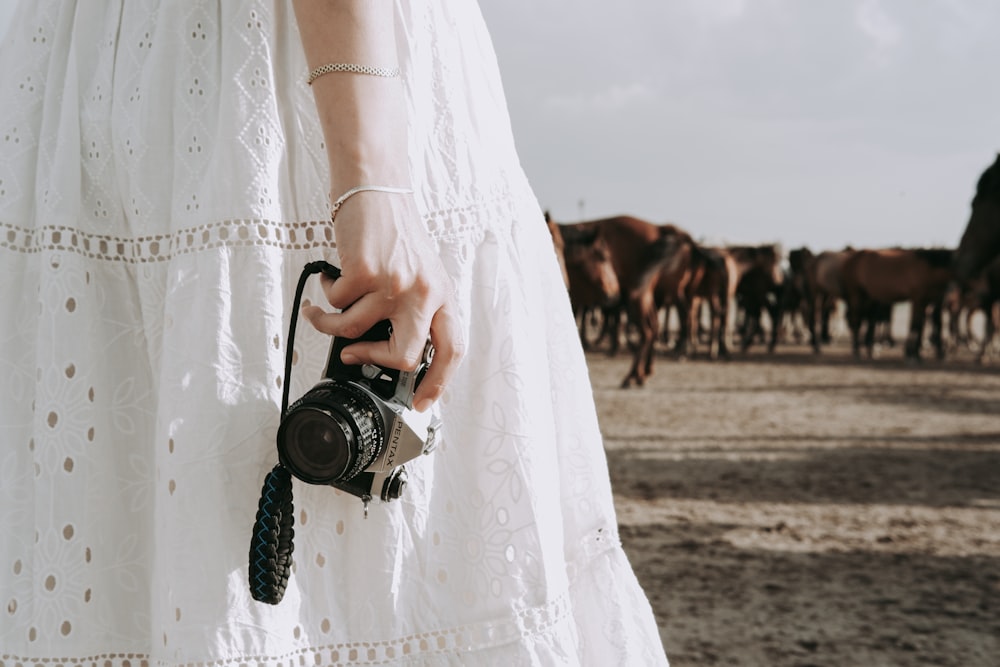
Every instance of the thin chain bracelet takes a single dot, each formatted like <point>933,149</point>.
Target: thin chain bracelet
<point>362,188</point>
<point>390,72</point>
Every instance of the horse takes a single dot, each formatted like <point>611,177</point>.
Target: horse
<point>590,275</point>
<point>671,287</point>
<point>883,277</point>
<point>713,281</point>
<point>819,277</point>
<point>962,302</point>
<point>638,250</point>
<point>797,300</point>
<point>981,293</point>
<point>980,242</point>
<point>587,272</point>
<point>759,282</point>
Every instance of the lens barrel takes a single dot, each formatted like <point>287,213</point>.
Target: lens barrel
<point>332,433</point>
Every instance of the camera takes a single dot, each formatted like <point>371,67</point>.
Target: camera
<point>356,428</point>
<point>353,431</point>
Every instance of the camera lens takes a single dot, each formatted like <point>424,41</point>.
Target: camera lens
<point>319,442</point>
<point>330,434</point>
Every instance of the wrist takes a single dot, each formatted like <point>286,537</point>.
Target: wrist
<point>339,201</point>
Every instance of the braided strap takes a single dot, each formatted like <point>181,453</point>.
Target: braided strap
<point>389,72</point>
<point>271,544</point>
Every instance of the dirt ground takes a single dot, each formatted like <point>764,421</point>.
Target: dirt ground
<point>805,511</point>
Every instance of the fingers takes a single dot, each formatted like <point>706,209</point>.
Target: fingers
<point>449,349</point>
<point>404,349</point>
<point>342,292</point>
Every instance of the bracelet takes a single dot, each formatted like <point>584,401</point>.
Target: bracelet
<point>390,72</point>
<point>363,188</point>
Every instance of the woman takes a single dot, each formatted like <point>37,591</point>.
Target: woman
<point>165,174</point>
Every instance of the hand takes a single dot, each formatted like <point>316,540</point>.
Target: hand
<point>390,270</point>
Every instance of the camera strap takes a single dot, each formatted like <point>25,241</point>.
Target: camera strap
<point>271,543</point>
<point>310,269</point>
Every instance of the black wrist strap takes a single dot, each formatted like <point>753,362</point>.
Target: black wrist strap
<point>271,544</point>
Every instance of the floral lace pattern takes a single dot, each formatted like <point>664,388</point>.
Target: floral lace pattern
<point>162,183</point>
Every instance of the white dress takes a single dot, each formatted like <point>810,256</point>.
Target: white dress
<point>162,182</point>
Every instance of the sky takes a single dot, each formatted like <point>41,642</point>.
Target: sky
<point>805,122</point>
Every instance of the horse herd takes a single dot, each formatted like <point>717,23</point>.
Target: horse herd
<point>631,271</point>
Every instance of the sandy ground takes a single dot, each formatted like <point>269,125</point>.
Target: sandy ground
<point>800,510</point>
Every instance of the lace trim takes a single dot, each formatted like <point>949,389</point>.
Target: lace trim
<point>163,247</point>
<point>459,222</point>
<point>464,639</point>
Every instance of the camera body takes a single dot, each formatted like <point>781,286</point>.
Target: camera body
<point>356,428</point>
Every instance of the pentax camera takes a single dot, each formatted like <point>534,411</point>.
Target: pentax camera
<point>356,428</point>
<point>353,431</point>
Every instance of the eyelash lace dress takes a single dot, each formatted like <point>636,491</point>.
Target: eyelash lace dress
<point>163,180</point>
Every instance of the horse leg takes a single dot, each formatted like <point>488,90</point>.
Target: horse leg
<point>871,317</point>
<point>756,330</point>
<point>970,313</point>
<point>634,374</point>
<point>723,332</point>
<point>612,328</point>
<point>643,312</point>
<point>685,326</point>
<point>918,315</point>
<point>749,328</point>
<point>637,315</point>
<point>694,328</point>
<point>885,318</point>
<point>653,329</point>
<point>810,317</point>
<point>854,324</point>
<point>774,312</point>
<point>937,332</point>
<point>714,329</point>
<point>954,311</point>
<point>828,305</point>
<point>989,330</point>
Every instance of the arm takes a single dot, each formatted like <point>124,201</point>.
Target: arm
<point>390,266</point>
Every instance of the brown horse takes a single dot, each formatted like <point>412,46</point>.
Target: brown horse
<point>962,303</point>
<point>759,282</point>
<point>671,289</point>
<point>820,279</point>
<point>712,283</point>
<point>590,273</point>
<point>980,242</point>
<point>873,278</point>
<point>981,293</point>
<point>639,251</point>
<point>793,293</point>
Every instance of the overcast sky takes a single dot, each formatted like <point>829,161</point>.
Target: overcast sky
<point>819,122</point>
